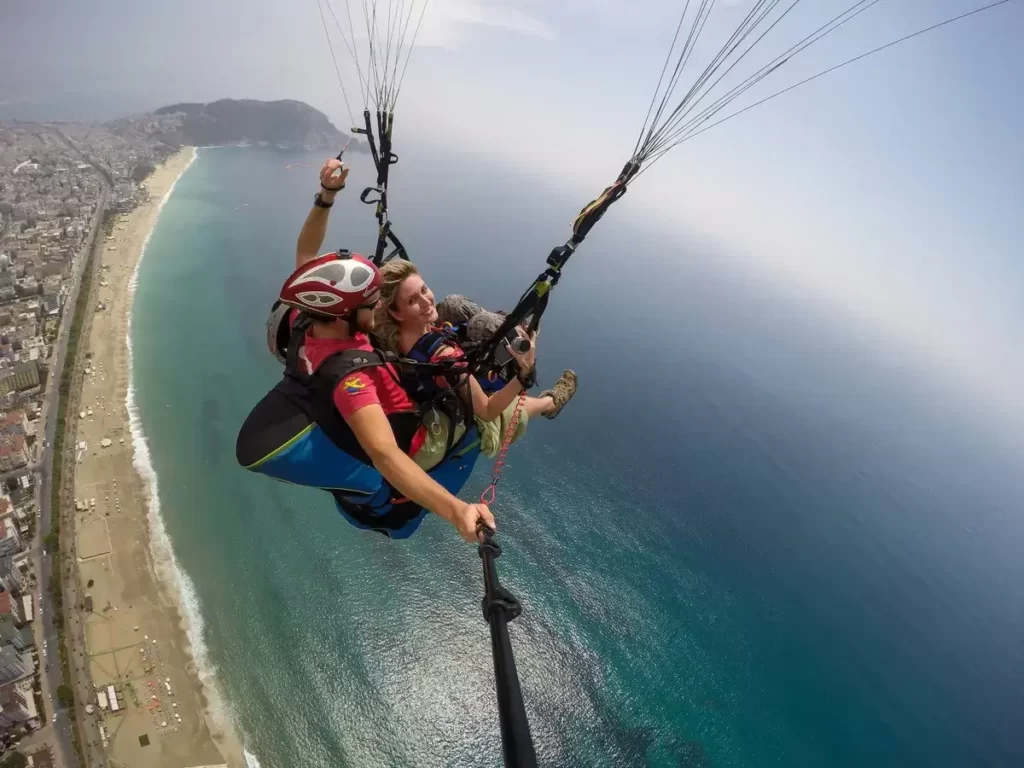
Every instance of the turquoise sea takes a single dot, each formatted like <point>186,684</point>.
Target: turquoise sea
<point>758,537</point>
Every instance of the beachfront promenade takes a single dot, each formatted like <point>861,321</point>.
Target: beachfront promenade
<point>116,635</point>
<point>124,624</point>
<point>44,564</point>
<point>81,285</point>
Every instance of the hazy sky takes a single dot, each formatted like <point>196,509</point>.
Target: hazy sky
<point>893,189</point>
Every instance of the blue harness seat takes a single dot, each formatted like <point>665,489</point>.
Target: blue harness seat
<point>296,435</point>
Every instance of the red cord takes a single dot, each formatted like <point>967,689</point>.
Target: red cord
<point>487,497</point>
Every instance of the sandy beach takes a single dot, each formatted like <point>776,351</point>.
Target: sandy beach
<point>133,627</point>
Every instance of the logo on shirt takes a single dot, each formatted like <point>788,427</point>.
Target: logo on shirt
<point>353,385</point>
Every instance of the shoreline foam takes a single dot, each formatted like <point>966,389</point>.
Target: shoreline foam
<point>171,576</point>
<point>171,609</point>
<point>170,573</point>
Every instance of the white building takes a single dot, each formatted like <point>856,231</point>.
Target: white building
<point>9,605</point>
<point>10,577</point>
<point>25,687</point>
<point>10,539</point>
<point>12,665</point>
<point>26,607</point>
<point>15,706</point>
<point>21,639</point>
<point>112,696</point>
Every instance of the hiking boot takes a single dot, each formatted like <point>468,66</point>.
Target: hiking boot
<point>561,393</point>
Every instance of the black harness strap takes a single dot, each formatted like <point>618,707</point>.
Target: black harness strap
<point>314,395</point>
<point>426,392</point>
<point>534,301</point>
<point>395,519</point>
<point>383,159</point>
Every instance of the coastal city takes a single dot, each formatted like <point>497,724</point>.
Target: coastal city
<point>86,678</point>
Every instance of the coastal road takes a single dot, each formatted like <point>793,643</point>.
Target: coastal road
<point>52,671</point>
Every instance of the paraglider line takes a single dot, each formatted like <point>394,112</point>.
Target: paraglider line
<point>847,62</point>
<point>687,106</point>
<point>668,135</point>
<point>661,77</point>
<point>349,46</point>
<point>337,71</point>
<point>408,55</point>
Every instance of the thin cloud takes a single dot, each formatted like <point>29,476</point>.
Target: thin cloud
<point>447,24</point>
<point>470,13</point>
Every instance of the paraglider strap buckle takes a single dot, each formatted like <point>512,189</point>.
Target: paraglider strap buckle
<point>497,597</point>
<point>501,600</point>
<point>559,256</point>
<point>487,543</point>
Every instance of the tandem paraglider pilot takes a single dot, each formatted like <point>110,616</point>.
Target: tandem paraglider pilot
<point>339,419</point>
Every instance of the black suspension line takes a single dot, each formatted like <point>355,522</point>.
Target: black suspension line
<point>680,125</point>
<point>334,59</point>
<point>387,42</point>
<point>843,64</point>
<point>660,132</point>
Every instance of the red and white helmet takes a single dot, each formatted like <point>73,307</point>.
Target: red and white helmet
<point>333,285</point>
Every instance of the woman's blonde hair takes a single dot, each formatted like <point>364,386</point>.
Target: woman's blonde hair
<point>385,329</point>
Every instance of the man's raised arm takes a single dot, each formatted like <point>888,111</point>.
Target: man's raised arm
<point>311,236</point>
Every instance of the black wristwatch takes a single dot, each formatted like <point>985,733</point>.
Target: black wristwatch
<point>528,381</point>
<point>319,201</point>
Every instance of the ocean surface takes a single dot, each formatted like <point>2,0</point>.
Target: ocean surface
<point>759,536</point>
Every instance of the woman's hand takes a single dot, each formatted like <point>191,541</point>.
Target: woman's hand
<point>525,359</point>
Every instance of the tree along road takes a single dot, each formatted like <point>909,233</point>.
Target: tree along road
<point>51,401</point>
